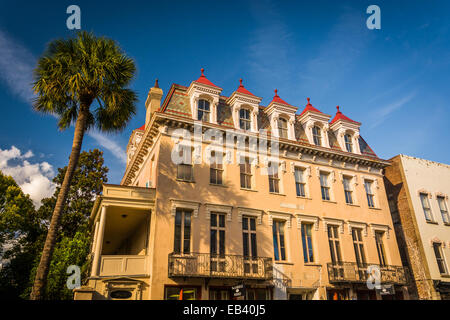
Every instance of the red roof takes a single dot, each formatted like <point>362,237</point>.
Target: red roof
<point>277,99</point>
<point>340,116</point>
<point>203,80</point>
<point>309,107</point>
<point>141,128</point>
<point>241,89</point>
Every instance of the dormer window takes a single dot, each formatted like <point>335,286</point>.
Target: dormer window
<point>203,110</point>
<point>317,137</point>
<point>282,128</point>
<point>244,119</point>
<point>348,142</point>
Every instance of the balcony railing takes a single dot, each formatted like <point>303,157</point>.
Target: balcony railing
<point>354,272</point>
<point>127,265</point>
<point>205,265</point>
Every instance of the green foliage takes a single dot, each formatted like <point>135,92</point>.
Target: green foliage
<point>77,71</point>
<point>20,221</point>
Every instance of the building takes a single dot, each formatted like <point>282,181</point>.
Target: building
<point>220,191</point>
<point>418,193</point>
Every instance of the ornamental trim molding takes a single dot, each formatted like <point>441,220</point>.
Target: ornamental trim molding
<point>280,215</point>
<point>220,208</point>
<point>184,204</point>
<point>333,222</point>
<point>380,227</point>
<point>307,218</point>
<point>250,212</point>
<point>423,190</point>
<point>357,225</point>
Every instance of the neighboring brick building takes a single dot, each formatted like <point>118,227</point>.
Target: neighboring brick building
<point>418,192</point>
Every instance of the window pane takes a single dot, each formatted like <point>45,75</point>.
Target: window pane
<point>275,241</point>
<point>252,224</point>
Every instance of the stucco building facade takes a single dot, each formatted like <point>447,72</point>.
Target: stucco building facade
<point>418,192</point>
<point>220,191</point>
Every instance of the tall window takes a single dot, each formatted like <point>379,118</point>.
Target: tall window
<point>184,169</point>
<point>358,245</point>
<point>443,208</point>
<point>369,193</point>
<point>182,239</point>
<point>317,137</point>
<point>348,142</point>
<point>217,247</point>
<point>324,186</point>
<point>273,178</point>
<point>300,182</point>
<point>278,240</point>
<point>333,241</point>
<point>440,258</point>
<point>244,119</point>
<point>203,111</point>
<point>283,128</point>
<point>426,206</point>
<point>348,190</point>
<point>249,244</point>
<point>308,255</point>
<point>380,247</point>
<point>216,169</point>
<point>246,174</point>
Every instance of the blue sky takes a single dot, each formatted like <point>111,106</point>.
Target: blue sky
<point>394,80</point>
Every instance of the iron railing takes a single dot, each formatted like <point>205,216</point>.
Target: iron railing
<point>206,265</point>
<point>355,272</point>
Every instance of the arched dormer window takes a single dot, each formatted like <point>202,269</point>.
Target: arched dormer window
<point>244,119</point>
<point>203,110</point>
<point>282,128</point>
<point>348,142</point>
<point>317,136</point>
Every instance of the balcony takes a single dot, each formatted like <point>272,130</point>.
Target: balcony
<point>205,265</point>
<point>123,265</point>
<point>354,272</point>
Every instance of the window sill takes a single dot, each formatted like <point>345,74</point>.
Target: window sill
<point>277,194</point>
<point>352,205</point>
<point>306,198</point>
<point>252,190</point>
<point>330,201</point>
<point>446,224</point>
<point>374,208</point>
<point>312,264</point>
<point>189,181</point>
<point>218,185</point>
<point>432,222</point>
<point>284,262</point>
<point>445,275</point>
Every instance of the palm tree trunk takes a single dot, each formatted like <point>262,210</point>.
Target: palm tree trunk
<point>40,279</point>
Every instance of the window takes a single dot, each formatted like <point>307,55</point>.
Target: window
<point>358,245</point>
<point>443,208</point>
<point>299,182</point>
<point>348,142</point>
<point>278,240</point>
<point>426,206</point>
<point>333,241</point>
<point>244,119</point>
<point>380,247</point>
<point>217,247</point>
<point>283,128</point>
<point>257,294</point>
<point>177,293</point>
<point>182,239</point>
<point>369,193</point>
<point>215,170</point>
<point>440,258</point>
<point>272,171</point>
<point>249,244</point>
<point>246,174</point>
<point>184,169</point>
<point>348,190</point>
<point>317,137</point>
<point>203,111</point>
<point>324,186</point>
<point>308,255</point>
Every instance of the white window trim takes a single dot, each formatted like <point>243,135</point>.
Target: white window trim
<point>220,208</point>
<point>357,225</point>
<point>280,216</point>
<point>333,222</point>
<point>353,184</point>
<point>301,218</point>
<point>183,204</point>
<point>331,181</point>
<point>380,227</point>
<point>250,212</point>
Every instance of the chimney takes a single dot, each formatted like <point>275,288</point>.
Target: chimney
<point>153,102</point>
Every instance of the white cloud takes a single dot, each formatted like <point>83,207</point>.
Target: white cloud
<point>384,112</point>
<point>110,145</point>
<point>34,179</point>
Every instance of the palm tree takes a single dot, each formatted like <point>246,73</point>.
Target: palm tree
<point>82,81</point>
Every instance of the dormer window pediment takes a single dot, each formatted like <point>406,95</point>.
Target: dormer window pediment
<point>244,107</point>
<point>282,117</point>
<point>346,131</point>
<point>315,124</point>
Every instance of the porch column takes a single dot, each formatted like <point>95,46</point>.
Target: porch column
<point>99,243</point>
